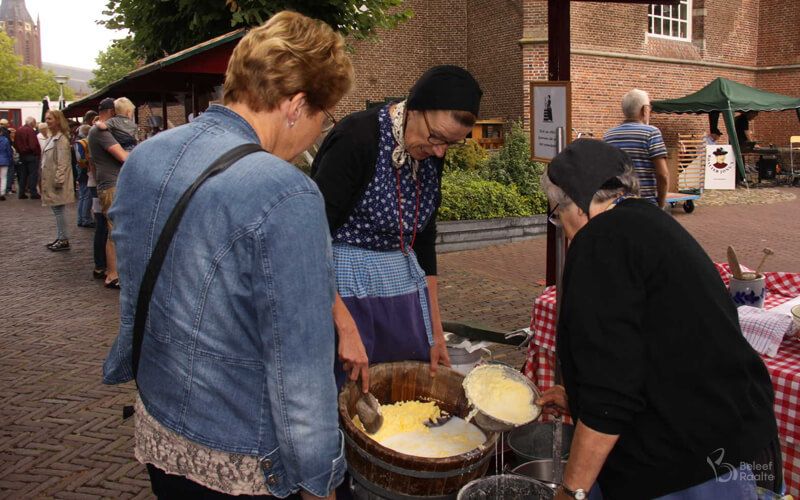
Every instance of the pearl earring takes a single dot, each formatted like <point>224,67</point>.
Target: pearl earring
<point>291,124</point>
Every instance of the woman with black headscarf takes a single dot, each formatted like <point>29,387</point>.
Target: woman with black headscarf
<point>668,398</point>
<point>380,173</point>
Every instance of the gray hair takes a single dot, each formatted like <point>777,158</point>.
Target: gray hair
<point>84,129</point>
<point>633,101</point>
<point>30,121</point>
<point>628,180</point>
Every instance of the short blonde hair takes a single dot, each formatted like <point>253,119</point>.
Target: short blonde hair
<point>123,106</point>
<point>288,54</point>
<point>61,120</point>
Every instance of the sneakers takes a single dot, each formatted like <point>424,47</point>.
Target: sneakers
<point>59,245</point>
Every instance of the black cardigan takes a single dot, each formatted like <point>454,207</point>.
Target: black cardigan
<point>345,165</point>
<point>651,350</point>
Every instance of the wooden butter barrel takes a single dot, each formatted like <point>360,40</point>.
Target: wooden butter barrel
<point>390,474</point>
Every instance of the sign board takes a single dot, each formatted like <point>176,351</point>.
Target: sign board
<point>551,115</point>
<point>720,167</point>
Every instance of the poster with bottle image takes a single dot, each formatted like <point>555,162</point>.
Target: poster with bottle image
<point>550,118</point>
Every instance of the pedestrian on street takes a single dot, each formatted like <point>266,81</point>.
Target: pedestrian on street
<point>108,157</point>
<point>80,151</point>
<point>6,161</point>
<point>58,185</point>
<point>644,144</point>
<point>29,151</point>
<point>8,133</point>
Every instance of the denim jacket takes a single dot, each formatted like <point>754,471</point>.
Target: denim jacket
<point>238,349</point>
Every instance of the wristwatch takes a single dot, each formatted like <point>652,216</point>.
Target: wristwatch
<point>578,494</point>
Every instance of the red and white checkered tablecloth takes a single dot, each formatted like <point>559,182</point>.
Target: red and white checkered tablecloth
<point>783,368</point>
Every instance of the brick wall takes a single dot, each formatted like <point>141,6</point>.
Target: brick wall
<point>779,44</point>
<point>389,67</point>
<point>754,33</point>
<point>494,56</point>
<point>482,37</point>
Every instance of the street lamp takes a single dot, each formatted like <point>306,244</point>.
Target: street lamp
<point>61,80</point>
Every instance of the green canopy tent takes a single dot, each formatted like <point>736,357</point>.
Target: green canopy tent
<point>726,96</point>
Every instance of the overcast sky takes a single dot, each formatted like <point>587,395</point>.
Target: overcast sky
<point>70,35</point>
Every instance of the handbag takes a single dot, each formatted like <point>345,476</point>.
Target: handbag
<point>162,245</point>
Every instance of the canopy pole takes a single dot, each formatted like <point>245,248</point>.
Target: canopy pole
<point>164,110</point>
<point>737,150</point>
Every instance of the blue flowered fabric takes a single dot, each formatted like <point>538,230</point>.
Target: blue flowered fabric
<point>375,222</point>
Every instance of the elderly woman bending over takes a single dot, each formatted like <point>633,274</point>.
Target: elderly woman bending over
<point>236,387</point>
<point>669,399</point>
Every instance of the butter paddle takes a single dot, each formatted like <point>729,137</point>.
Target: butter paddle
<point>733,261</point>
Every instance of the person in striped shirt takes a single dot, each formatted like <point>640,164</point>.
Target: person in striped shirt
<point>644,144</point>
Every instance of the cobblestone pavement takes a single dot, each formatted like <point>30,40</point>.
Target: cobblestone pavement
<point>61,432</point>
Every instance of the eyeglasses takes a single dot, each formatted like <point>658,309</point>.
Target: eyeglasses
<point>553,218</point>
<point>437,141</point>
<point>329,121</point>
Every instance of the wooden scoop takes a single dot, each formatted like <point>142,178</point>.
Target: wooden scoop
<point>369,412</point>
<point>767,253</point>
<point>733,261</point>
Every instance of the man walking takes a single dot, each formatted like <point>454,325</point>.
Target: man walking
<point>644,145</point>
<point>108,157</point>
<point>30,152</point>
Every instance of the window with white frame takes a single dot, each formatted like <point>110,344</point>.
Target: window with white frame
<point>671,21</point>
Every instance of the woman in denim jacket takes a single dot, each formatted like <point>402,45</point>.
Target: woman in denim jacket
<point>236,387</point>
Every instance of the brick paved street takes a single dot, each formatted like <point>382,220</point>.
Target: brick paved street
<point>61,432</point>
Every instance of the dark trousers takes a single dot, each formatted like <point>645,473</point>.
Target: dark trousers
<point>28,174</point>
<point>169,486</point>
<point>100,236</point>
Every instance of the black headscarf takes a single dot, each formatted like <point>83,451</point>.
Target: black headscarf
<point>446,87</point>
<point>586,166</point>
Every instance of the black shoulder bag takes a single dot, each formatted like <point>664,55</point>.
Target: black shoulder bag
<point>162,245</point>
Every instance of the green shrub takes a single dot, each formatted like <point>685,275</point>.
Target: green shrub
<point>466,196</point>
<point>469,157</point>
<point>513,166</point>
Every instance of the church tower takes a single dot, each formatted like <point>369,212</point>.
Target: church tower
<point>18,24</point>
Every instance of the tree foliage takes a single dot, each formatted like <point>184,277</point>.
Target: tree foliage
<point>163,27</point>
<point>512,165</point>
<point>466,196</point>
<point>22,82</point>
<point>116,61</point>
<point>471,157</point>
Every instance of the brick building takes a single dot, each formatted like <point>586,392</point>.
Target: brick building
<point>16,21</point>
<point>615,47</point>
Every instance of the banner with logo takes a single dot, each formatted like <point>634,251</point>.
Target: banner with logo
<point>720,167</point>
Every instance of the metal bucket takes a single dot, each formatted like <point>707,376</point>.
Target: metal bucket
<point>534,441</point>
<point>507,487</point>
<point>540,470</point>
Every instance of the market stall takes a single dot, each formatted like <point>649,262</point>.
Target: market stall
<point>726,96</point>
<point>784,367</point>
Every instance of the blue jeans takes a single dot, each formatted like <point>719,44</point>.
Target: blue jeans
<point>84,203</point>
<point>10,178</point>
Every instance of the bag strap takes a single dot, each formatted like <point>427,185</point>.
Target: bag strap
<point>165,238</point>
